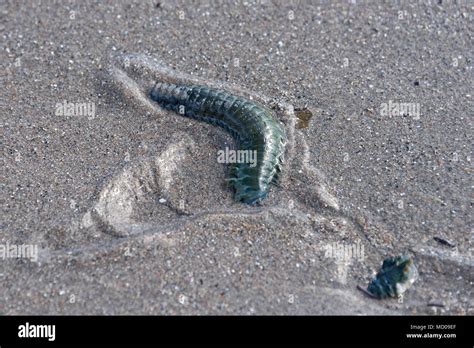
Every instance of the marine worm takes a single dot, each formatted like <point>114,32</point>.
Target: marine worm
<point>251,124</point>
<point>397,274</point>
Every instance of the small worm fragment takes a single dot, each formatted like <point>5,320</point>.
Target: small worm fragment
<point>394,278</point>
<point>444,242</point>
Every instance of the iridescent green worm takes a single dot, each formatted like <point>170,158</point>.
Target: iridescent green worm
<point>397,274</point>
<point>251,124</point>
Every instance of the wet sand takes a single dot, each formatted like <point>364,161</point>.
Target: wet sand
<point>128,206</point>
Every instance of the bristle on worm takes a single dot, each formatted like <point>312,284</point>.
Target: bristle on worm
<point>252,125</point>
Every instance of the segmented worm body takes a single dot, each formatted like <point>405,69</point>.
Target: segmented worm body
<point>251,124</point>
<point>397,274</point>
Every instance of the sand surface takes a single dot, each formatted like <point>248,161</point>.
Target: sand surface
<point>128,205</point>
